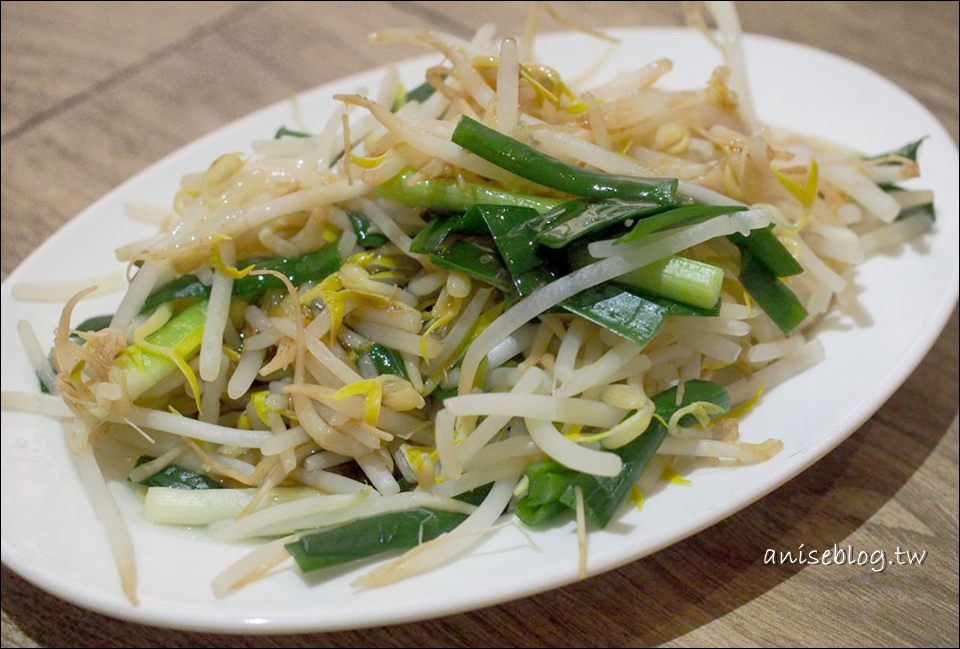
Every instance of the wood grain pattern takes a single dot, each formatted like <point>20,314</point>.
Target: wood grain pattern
<point>93,92</point>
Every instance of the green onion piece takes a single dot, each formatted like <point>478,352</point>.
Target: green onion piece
<point>449,195</point>
<point>925,208</point>
<point>476,261</point>
<point>514,229</point>
<point>371,536</point>
<point>386,360</point>
<point>283,131</point>
<point>96,323</point>
<point>551,487</point>
<point>175,476</point>
<point>183,287</point>
<point>769,251</point>
<point>921,208</point>
<point>678,278</point>
<point>428,239</point>
<point>619,310</point>
<point>675,216</point>
<point>477,495</point>
<point>311,267</point>
<point>547,481</point>
<point>672,307</point>
<point>773,296</point>
<point>367,235</point>
<point>908,150</point>
<point>181,335</point>
<point>173,506</point>
<point>580,218</point>
<point>527,162</point>
<point>421,93</point>
<point>526,283</point>
<point>602,496</point>
<point>439,394</point>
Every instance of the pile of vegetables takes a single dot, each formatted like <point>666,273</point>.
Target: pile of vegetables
<point>488,296</point>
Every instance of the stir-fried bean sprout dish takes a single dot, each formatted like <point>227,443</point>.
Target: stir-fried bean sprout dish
<point>492,298</point>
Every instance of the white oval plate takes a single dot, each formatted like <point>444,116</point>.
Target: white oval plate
<point>50,534</point>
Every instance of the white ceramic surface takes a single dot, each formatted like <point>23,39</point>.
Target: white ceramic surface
<point>50,534</point>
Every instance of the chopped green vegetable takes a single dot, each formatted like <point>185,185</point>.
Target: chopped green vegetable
<point>514,230</point>
<point>476,496</point>
<point>367,235</point>
<point>96,323</point>
<point>450,195</point>
<point>180,337</point>
<point>603,496</point>
<point>908,150</point>
<point>177,506</point>
<point>371,536</point>
<point>773,296</point>
<point>174,476</point>
<point>547,481</point>
<point>310,267</point>
<point>619,310</point>
<point>678,278</point>
<point>769,251</point>
<point>440,394</point>
<point>428,239</point>
<point>924,208</point>
<point>181,288</point>
<point>579,218</point>
<point>533,279</point>
<point>283,131</point>
<point>527,162</point>
<point>476,261</point>
<point>421,93</point>
<point>675,216</point>
<point>386,360</point>
<point>623,309</point>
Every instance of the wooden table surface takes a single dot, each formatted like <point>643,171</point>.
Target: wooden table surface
<point>95,91</point>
